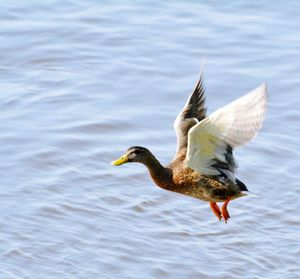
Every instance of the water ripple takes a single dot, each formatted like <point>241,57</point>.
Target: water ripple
<point>81,81</point>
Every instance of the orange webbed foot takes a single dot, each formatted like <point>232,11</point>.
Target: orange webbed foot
<point>216,210</point>
<point>225,212</point>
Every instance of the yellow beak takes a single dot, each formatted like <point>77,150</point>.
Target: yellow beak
<point>120,161</point>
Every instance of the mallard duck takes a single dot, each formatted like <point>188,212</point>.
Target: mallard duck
<point>204,166</point>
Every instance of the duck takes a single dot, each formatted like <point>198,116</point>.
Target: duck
<point>204,166</point>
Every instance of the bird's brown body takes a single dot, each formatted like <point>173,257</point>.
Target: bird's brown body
<point>177,177</point>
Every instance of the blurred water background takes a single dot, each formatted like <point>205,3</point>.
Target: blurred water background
<point>81,81</point>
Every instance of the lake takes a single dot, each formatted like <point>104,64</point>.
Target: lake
<point>82,81</point>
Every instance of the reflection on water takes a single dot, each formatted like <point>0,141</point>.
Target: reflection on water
<point>81,81</point>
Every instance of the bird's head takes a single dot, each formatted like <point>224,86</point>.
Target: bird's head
<point>133,154</point>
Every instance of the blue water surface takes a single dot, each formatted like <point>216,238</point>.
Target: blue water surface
<point>81,81</point>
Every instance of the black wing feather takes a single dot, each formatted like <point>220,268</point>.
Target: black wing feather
<point>195,107</point>
<point>193,112</point>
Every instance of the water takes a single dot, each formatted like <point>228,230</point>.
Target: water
<point>81,81</point>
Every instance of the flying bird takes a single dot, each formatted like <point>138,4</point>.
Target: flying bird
<point>204,166</point>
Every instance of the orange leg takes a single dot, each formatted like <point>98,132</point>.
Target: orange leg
<point>225,211</point>
<point>216,210</point>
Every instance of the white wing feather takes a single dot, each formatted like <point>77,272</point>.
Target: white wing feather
<point>232,125</point>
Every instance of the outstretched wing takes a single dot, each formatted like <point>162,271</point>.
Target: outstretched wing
<point>193,112</point>
<point>211,141</point>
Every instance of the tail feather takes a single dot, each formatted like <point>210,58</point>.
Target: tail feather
<point>241,185</point>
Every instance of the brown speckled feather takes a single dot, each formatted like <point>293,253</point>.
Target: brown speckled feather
<point>188,182</point>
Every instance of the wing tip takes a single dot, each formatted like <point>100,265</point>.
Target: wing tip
<point>264,92</point>
<point>200,80</point>
<point>262,89</point>
<point>260,93</point>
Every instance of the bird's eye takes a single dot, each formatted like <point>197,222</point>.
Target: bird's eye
<point>137,152</point>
